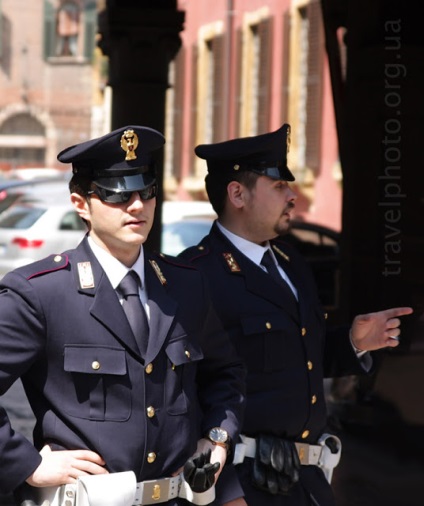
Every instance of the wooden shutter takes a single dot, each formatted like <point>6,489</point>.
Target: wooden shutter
<point>265,37</point>
<point>193,122</point>
<point>49,29</point>
<point>178,108</point>
<point>1,31</point>
<point>238,82</point>
<point>90,29</point>
<point>218,88</point>
<point>314,85</point>
<point>285,66</point>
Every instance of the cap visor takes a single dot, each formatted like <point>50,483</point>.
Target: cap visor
<point>126,183</point>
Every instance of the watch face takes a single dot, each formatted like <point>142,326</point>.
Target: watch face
<point>218,435</point>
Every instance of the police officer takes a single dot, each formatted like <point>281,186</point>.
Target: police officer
<point>119,381</point>
<point>265,296</point>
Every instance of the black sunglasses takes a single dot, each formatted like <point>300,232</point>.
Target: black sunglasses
<point>121,197</point>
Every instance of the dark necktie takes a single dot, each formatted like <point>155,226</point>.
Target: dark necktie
<point>134,309</point>
<point>272,269</point>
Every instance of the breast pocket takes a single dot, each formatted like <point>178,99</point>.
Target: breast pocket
<point>266,341</point>
<point>180,385</point>
<point>100,386</point>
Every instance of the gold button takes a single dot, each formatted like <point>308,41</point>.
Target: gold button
<point>150,411</point>
<point>325,316</point>
<point>149,368</point>
<point>151,457</point>
<point>95,365</point>
<point>236,167</point>
<point>314,399</point>
<point>173,367</point>
<point>310,365</point>
<point>57,258</point>
<point>303,331</point>
<point>201,248</point>
<point>187,354</point>
<point>305,434</point>
<point>268,325</point>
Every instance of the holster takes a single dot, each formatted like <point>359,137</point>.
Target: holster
<point>116,489</point>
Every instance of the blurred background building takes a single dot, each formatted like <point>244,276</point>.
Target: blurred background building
<point>49,96</point>
<point>244,68</point>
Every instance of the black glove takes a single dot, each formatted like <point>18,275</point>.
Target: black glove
<point>276,465</point>
<point>199,473</point>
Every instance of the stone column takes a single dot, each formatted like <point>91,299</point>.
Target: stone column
<point>140,37</point>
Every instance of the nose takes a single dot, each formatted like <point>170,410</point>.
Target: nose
<point>292,196</point>
<point>135,201</point>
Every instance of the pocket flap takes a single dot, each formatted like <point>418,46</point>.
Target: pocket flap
<point>183,351</point>
<point>95,360</point>
<point>259,324</point>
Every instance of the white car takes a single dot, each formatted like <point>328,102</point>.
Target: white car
<point>32,231</point>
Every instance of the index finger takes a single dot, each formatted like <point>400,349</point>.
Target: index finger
<point>398,311</point>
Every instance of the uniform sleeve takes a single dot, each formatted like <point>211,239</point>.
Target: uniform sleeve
<point>340,358</point>
<point>221,377</point>
<point>21,325</point>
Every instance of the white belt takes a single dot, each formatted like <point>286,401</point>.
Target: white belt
<point>309,455</point>
<point>121,489</point>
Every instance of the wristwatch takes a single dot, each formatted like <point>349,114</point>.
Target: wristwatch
<point>219,437</point>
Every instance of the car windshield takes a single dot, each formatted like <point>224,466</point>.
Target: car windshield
<point>20,217</point>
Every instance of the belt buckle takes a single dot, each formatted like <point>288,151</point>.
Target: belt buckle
<point>303,452</point>
<point>155,491</point>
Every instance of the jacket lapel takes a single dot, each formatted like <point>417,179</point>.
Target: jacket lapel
<point>105,306</point>
<point>162,308</point>
<point>296,278</point>
<point>257,281</point>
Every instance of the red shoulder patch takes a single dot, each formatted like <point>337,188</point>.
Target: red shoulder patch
<point>50,264</point>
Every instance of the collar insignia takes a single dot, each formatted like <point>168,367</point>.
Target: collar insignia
<point>281,253</point>
<point>158,272</point>
<point>129,143</point>
<point>85,274</point>
<point>232,264</point>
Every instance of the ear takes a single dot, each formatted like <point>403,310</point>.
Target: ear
<point>236,194</point>
<point>81,206</point>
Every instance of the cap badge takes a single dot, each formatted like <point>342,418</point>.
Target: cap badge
<point>281,253</point>
<point>158,272</point>
<point>232,264</point>
<point>129,143</point>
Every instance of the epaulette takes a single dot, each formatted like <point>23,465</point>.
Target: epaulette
<point>161,258</point>
<point>175,261</point>
<point>49,264</point>
<point>194,252</point>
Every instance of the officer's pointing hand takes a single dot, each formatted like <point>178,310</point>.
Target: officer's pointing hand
<point>373,331</point>
<point>62,467</point>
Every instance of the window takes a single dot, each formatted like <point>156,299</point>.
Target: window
<point>305,108</point>
<point>22,141</point>
<point>256,73</point>
<point>69,29</point>
<point>209,87</point>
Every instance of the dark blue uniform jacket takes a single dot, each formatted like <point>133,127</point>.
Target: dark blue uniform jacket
<point>87,384</point>
<point>285,346</point>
